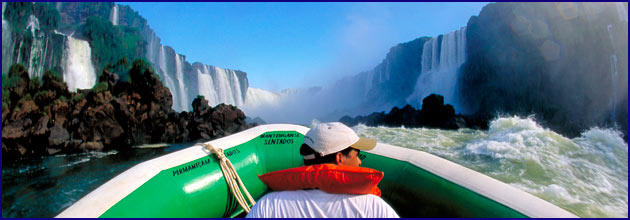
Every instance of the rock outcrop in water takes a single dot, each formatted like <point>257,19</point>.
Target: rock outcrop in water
<point>434,114</point>
<point>44,118</point>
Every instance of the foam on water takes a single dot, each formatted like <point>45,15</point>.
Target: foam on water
<point>587,175</point>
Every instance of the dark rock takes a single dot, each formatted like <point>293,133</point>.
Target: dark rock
<point>24,109</point>
<point>58,136</point>
<point>108,77</point>
<point>5,111</point>
<point>434,114</point>
<point>60,110</point>
<point>42,126</point>
<point>15,129</point>
<point>114,114</point>
<point>92,146</point>
<point>52,151</point>
<point>52,81</point>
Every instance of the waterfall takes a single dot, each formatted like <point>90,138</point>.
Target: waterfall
<point>166,78</point>
<point>217,85</point>
<point>440,64</point>
<point>368,83</point>
<point>37,57</point>
<point>33,51</point>
<point>615,75</point>
<point>162,60</point>
<point>79,72</point>
<point>32,24</point>
<point>37,53</point>
<point>206,86</point>
<point>152,46</point>
<point>7,42</point>
<point>113,15</point>
<point>222,85</point>
<point>182,96</point>
<point>236,88</point>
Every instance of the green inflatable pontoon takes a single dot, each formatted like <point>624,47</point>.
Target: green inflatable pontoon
<point>189,183</point>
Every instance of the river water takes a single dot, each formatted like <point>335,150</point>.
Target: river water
<point>587,175</point>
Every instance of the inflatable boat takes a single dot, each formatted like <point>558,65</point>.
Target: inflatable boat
<point>190,183</point>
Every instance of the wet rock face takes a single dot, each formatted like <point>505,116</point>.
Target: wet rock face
<point>207,123</point>
<point>113,115</point>
<point>569,71</point>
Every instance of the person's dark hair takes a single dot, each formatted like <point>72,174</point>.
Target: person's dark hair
<point>330,158</point>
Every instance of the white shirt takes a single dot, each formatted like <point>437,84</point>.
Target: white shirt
<point>319,204</point>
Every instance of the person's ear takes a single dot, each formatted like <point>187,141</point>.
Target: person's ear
<point>339,158</point>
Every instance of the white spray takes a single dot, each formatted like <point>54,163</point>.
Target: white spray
<point>79,71</point>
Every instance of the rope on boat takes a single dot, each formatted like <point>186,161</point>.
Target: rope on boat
<point>232,178</point>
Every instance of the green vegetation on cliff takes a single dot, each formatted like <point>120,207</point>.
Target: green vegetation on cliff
<point>18,13</point>
<point>111,43</point>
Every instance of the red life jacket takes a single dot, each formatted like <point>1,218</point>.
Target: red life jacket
<point>330,178</point>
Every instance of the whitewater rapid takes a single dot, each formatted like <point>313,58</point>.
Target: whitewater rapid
<point>587,175</point>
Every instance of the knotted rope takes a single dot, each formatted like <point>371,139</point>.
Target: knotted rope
<point>231,177</point>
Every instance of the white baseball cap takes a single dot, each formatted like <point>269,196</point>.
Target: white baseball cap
<point>332,137</point>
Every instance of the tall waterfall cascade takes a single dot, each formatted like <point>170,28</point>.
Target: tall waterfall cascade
<point>186,81</point>
<point>440,64</point>
<point>79,72</point>
<point>113,15</point>
<point>38,48</point>
<point>206,85</point>
<point>7,42</point>
<point>179,73</point>
<point>36,52</point>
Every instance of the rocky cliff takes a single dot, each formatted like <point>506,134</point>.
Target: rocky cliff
<point>44,118</point>
<point>566,63</point>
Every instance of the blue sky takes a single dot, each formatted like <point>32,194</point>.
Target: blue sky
<point>294,45</point>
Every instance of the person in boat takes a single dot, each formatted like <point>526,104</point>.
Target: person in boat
<point>331,145</point>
